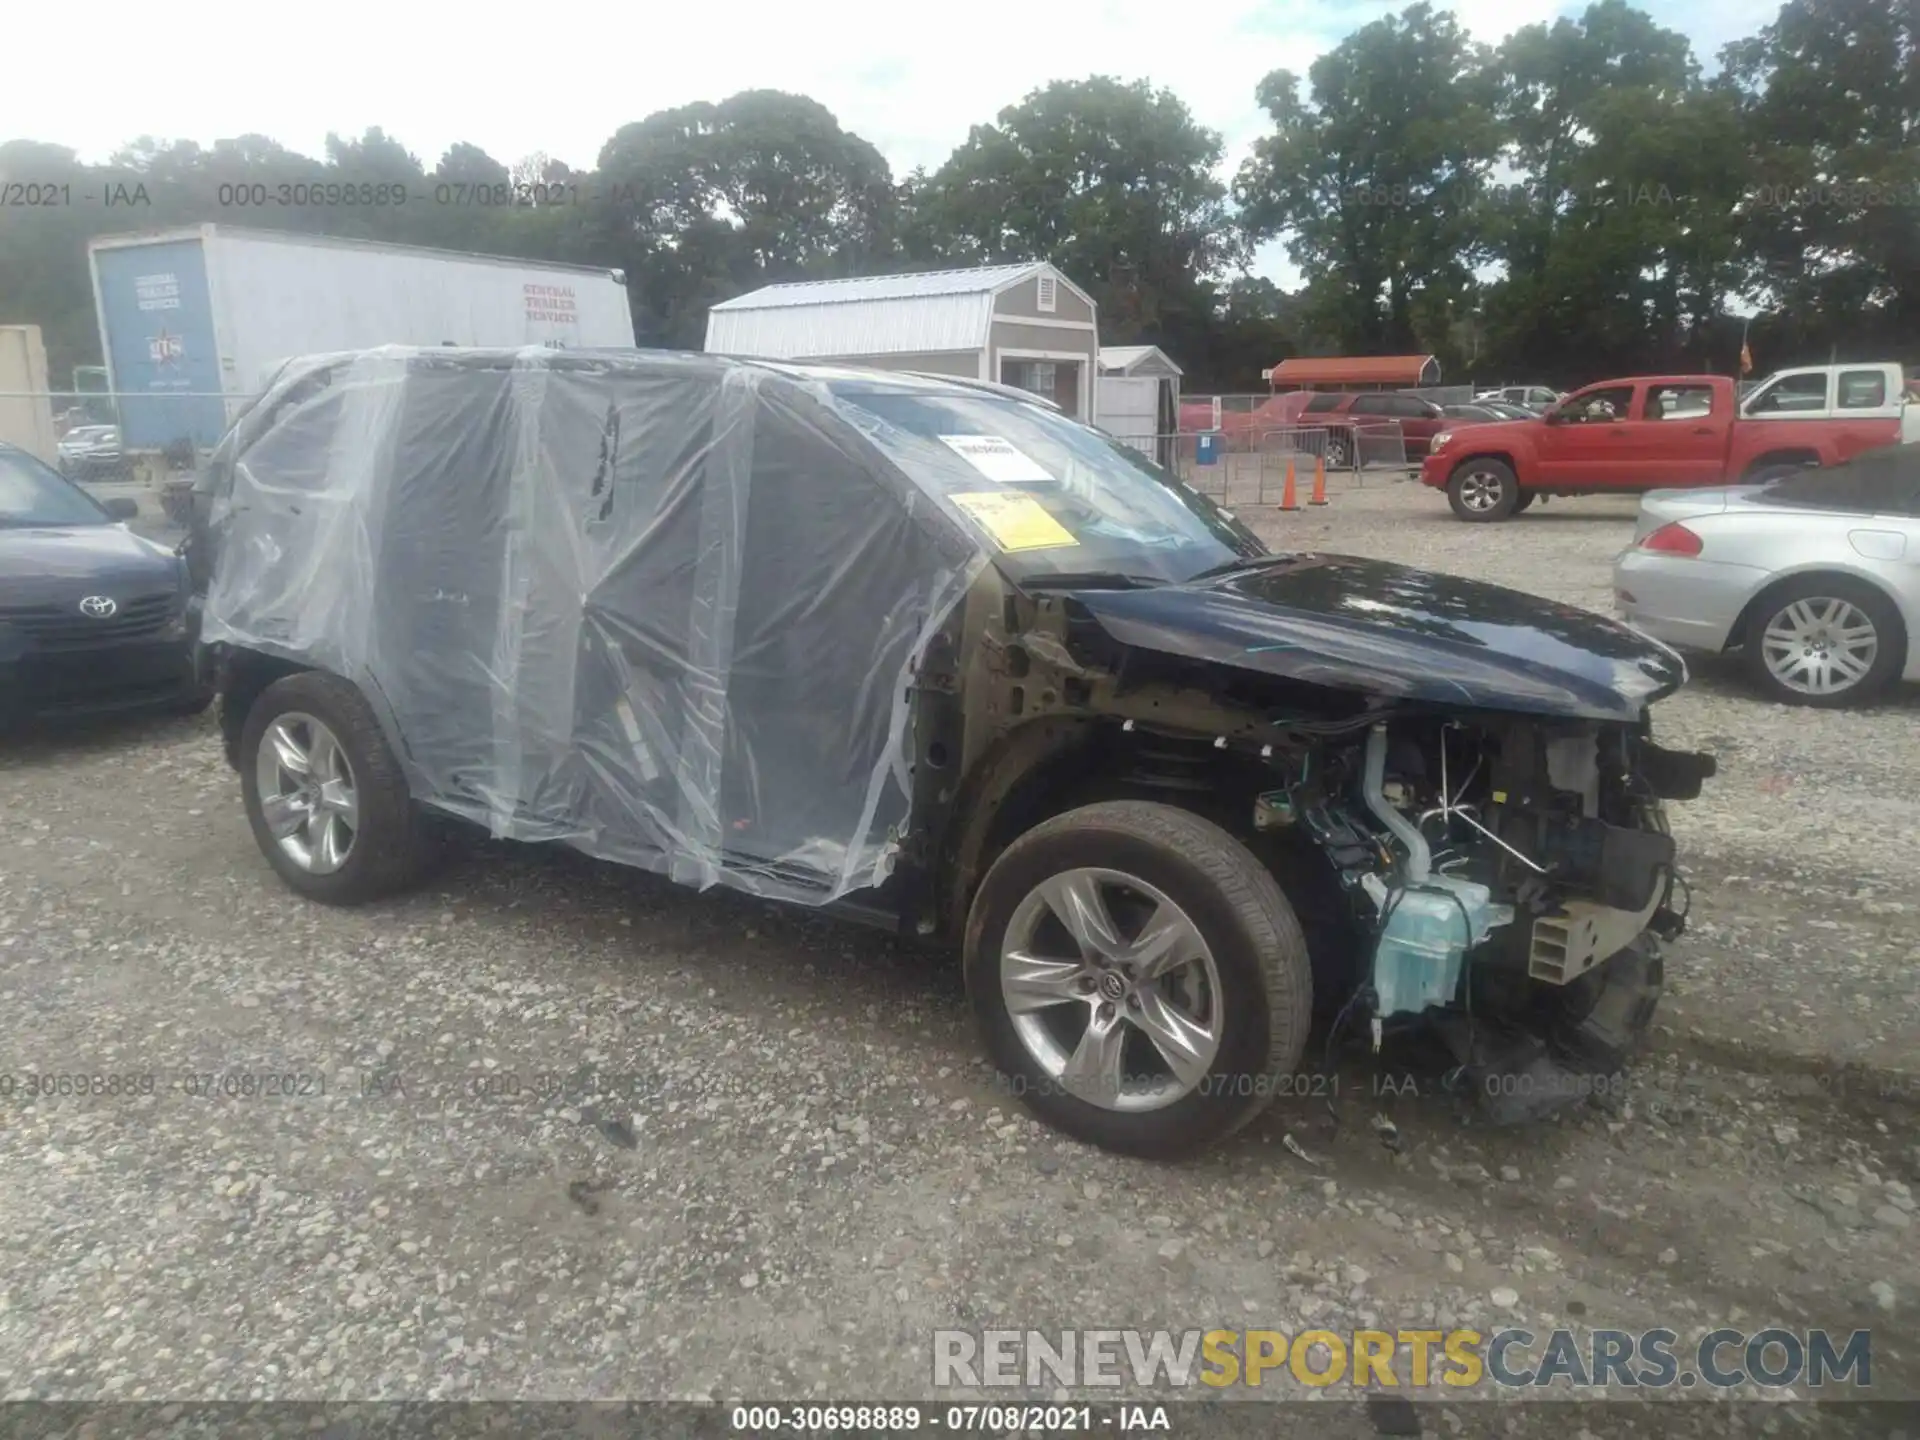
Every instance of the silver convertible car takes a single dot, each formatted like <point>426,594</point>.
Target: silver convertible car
<point>1814,579</point>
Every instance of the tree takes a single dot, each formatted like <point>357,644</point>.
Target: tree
<point>1615,232</point>
<point>1829,97</point>
<point>705,200</point>
<point>1255,325</point>
<point>465,164</point>
<point>43,255</point>
<point>1375,177</point>
<point>1113,183</point>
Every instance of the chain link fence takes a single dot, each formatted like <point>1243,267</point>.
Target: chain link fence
<point>1260,411</point>
<point>1249,467</point>
<point>145,446</point>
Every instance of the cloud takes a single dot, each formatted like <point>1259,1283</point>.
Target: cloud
<point>563,78</point>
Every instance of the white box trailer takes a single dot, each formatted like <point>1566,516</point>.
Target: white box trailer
<point>194,321</point>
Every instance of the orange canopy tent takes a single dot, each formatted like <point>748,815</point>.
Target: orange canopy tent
<point>1353,372</point>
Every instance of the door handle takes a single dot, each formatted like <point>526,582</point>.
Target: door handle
<point>1702,430</point>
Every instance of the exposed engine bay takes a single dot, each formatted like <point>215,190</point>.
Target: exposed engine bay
<point>1472,835</point>
<point>1538,848</point>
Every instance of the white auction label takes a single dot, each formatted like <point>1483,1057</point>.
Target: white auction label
<point>997,459</point>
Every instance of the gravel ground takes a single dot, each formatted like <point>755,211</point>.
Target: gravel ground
<point>564,1131</point>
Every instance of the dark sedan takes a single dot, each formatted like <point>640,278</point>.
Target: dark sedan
<point>93,618</point>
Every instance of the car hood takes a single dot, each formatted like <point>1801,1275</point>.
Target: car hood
<point>1389,630</point>
<point>44,564</point>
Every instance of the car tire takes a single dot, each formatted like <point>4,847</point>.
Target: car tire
<point>1237,1007</point>
<point>1339,452</point>
<point>386,848</point>
<point>1805,607</point>
<point>1481,491</point>
<point>1527,498</point>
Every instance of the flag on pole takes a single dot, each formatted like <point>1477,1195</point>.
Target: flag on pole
<point>1746,359</point>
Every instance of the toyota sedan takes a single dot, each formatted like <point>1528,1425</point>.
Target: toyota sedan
<point>92,616</point>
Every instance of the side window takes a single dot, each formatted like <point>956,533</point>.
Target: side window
<point>1370,405</point>
<point>1679,402</point>
<point>1796,394</point>
<point>1598,407</point>
<point>1862,390</point>
<point>1322,403</point>
<point>296,448</point>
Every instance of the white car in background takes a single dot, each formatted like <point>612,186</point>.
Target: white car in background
<point>1529,397</point>
<point>1813,579</point>
<point>89,452</point>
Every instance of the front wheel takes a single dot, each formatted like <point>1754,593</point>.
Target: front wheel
<point>1825,641</point>
<point>1138,978</point>
<point>325,794</point>
<point>1339,452</point>
<point>1483,490</point>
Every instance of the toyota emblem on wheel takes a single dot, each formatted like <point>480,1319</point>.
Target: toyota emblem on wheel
<point>99,607</point>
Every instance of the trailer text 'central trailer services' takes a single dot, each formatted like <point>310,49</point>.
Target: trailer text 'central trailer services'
<point>193,321</point>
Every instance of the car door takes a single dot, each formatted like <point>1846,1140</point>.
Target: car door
<point>1585,442</point>
<point>1901,514</point>
<point>1791,395</point>
<point>1679,437</point>
<point>1867,406</point>
<point>1420,420</point>
<point>1376,436</point>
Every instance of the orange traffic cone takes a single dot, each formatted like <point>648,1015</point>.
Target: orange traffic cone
<point>1288,500</point>
<point>1319,480</point>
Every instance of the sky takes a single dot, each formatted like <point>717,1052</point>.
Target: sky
<point>562,78</point>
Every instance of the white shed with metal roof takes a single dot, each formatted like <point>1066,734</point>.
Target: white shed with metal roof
<point>1023,325</point>
<point>1137,395</point>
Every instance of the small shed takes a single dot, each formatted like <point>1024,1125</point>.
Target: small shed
<point>1139,391</point>
<point>1023,325</point>
<point>1354,372</point>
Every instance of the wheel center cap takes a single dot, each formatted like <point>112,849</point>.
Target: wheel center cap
<point>1113,986</point>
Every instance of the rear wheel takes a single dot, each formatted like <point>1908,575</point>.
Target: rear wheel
<point>1825,641</point>
<point>325,795</point>
<point>1138,977</point>
<point>1339,451</point>
<point>1483,490</point>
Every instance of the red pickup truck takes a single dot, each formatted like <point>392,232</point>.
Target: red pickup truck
<point>1658,432</point>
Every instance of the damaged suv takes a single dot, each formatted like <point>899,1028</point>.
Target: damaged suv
<point>932,655</point>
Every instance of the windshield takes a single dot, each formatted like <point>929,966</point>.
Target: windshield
<point>32,494</point>
<point>1051,497</point>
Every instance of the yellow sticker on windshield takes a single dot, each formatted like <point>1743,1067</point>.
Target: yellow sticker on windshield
<point>1016,522</point>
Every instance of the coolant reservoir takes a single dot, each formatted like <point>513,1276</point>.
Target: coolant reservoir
<point>1418,960</point>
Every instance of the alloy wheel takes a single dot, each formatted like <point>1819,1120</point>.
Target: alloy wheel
<point>307,793</point>
<point>1112,990</point>
<point>1480,490</point>
<point>1820,645</point>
